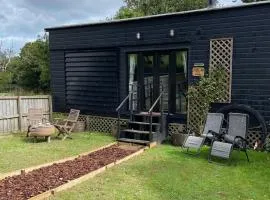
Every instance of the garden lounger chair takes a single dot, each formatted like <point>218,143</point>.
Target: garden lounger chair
<point>213,123</point>
<point>235,138</point>
<point>34,118</point>
<point>66,128</point>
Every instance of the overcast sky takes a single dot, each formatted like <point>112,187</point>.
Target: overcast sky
<point>23,20</point>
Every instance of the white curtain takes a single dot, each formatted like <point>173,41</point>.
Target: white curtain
<point>132,66</point>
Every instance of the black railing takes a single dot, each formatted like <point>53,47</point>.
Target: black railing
<point>118,109</point>
<point>150,112</point>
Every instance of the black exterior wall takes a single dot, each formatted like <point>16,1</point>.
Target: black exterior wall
<point>248,25</point>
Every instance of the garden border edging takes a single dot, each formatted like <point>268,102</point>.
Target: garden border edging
<point>85,177</point>
<point>29,169</point>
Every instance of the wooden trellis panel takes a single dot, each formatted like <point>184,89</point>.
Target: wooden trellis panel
<point>102,124</point>
<point>175,128</point>
<point>221,54</point>
<point>267,143</point>
<point>196,114</point>
<point>98,123</point>
<point>254,136</point>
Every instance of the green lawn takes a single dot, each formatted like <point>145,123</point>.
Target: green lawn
<point>166,173</point>
<point>18,152</point>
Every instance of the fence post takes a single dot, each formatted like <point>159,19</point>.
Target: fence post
<point>19,113</point>
<point>87,127</point>
<point>50,107</point>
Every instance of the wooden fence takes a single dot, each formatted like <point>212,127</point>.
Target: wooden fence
<point>14,109</point>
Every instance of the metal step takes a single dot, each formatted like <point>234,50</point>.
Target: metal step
<point>154,114</point>
<point>143,123</point>
<point>133,141</point>
<point>137,131</point>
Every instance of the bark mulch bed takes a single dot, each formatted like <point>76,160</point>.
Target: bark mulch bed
<point>31,184</point>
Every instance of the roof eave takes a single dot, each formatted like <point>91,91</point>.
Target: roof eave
<point>157,16</point>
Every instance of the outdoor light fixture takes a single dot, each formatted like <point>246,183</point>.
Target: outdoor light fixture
<point>172,33</point>
<point>138,35</point>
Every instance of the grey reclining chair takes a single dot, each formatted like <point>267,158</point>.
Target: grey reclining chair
<point>235,138</point>
<point>212,125</point>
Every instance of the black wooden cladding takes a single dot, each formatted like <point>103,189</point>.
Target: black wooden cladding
<point>248,26</point>
<point>57,63</point>
<point>91,80</point>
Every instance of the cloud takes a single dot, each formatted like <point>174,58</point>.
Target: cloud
<point>221,3</point>
<point>23,20</point>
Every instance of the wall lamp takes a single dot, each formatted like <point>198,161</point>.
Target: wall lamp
<point>138,36</point>
<point>172,33</point>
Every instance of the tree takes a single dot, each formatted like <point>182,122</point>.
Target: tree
<point>125,12</point>
<point>5,56</point>
<point>136,8</point>
<point>30,70</point>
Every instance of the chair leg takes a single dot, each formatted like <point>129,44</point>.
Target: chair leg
<point>60,133</point>
<point>65,136</point>
<point>68,135</point>
<point>209,153</point>
<point>210,156</point>
<point>187,151</point>
<point>247,155</point>
<point>28,131</point>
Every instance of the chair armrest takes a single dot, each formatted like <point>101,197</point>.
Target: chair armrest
<point>72,121</point>
<point>243,142</point>
<point>216,134</point>
<point>45,119</point>
<point>240,137</point>
<point>189,132</point>
<point>59,120</point>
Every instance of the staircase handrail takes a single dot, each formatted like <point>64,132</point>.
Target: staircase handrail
<point>118,109</point>
<point>155,103</point>
<point>118,113</point>
<point>123,103</point>
<point>160,98</point>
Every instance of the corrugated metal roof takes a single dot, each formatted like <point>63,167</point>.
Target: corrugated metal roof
<point>159,16</point>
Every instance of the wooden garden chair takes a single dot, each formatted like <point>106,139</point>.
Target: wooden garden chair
<point>66,126</point>
<point>34,118</point>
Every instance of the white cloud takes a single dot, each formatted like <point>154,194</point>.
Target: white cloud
<point>221,3</point>
<point>22,20</point>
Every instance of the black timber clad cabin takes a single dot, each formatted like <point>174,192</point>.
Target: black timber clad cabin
<point>93,64</point>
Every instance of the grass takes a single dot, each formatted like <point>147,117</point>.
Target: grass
<point>19,152</point>
<point>167,173</point>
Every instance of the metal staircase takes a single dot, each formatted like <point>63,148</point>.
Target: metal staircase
<point>143,127</point>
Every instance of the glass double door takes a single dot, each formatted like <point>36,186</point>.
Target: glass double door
<point>154,79</point>
<point>151,73</point>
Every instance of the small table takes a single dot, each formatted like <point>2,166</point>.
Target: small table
<point>44,130</point>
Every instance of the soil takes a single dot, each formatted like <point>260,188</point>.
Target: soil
<point>27,185</point>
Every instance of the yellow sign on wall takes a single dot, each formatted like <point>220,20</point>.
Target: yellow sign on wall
<point>198,71</point>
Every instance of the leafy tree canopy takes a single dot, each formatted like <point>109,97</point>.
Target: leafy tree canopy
<point>30,70</point>
<point>138,8</point>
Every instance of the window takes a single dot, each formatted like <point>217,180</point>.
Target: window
<point>164,78</point>
<point>133,70</point>
<point>181,81</point>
